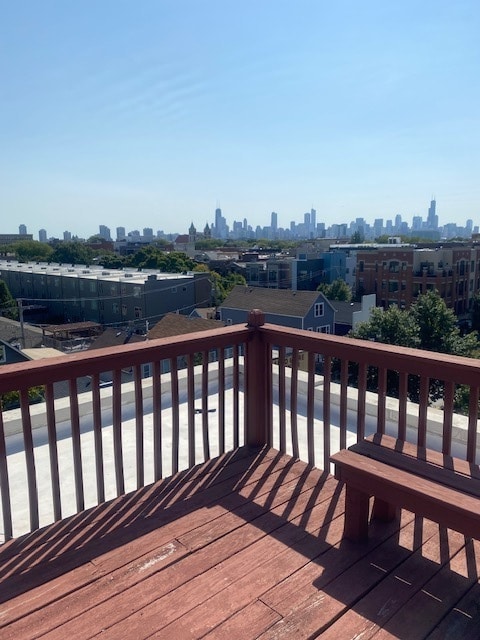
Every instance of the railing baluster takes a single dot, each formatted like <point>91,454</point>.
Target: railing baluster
<point>422,412</point>
<point>191,409</point>
<point>205,433</point>
<point>402,405</point>
<point>311,408</point>
<point>269,395</point>
<point>293,404</point>
<point>157,421</point>
<point>361,401</point>
<point>221,401</point>
<point>327,377</point>
<point>117,431</point>
<point>236,397</point>
<point>281,400</point>
<point>472,424</point>
<point>53,450</point>
<point>382,396</point>
<point>76,444</point>
<point>139,431</point>
<point>5,483</point>
<point>448,400</point>
<point>343,403</point>
<point>175,414</point>
<point>97,435</point>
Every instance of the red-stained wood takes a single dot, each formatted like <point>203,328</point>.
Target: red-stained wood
<point>245,546</point>
<point>5,485</point>
<point>30,460</point>
<point>139,424</point>
<point>430,496</point>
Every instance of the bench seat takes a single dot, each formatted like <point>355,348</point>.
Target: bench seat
<point>399,475</point>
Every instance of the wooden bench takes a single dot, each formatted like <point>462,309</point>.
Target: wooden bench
<point>399,475</point>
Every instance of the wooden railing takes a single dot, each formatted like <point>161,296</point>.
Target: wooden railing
<point>304,393</point>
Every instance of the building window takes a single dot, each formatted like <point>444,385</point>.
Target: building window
<point>323,329</point>
<point>115,307</point>
<point>174,289</point>
<point>136,292</point>
<point>318,311</point>
<point>138,312</point>
<point>124,310</point>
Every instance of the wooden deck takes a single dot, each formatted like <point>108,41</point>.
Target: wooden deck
<point>246,546</point>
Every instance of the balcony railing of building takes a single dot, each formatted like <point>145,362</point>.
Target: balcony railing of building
<point>304,393</point>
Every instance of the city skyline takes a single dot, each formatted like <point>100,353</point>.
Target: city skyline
<point>132,118</point>
<point>219,227</point>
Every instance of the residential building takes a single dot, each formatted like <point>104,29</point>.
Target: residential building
<point>109,297</point>
<point>398,274</point>
<point>308,310</point>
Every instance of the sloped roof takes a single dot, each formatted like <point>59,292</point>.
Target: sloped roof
<point>174,324</point>
<point>114,338</point>
<point>278,301</point>
<point>344,311</point>
<point>11,331</point>
<point>182,239</point>
<point>203,312</point>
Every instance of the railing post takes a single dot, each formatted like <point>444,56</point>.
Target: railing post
<point>258,383</point>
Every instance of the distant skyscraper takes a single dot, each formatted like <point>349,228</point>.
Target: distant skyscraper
<point>121,235</point>
<point>432,219</point>
<point>104,232</point>
<point>22,230</point>
<point>67,236</point>
<point>274,222</point>
<point>417,223</point>
<point>221,228</point>
<point>148,232</point>
<point>313,221</point>
<point>42,235</point>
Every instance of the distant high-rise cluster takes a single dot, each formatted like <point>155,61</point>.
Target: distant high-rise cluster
<point>308,228</point>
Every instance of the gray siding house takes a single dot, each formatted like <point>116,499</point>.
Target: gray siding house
<point>308,310</point>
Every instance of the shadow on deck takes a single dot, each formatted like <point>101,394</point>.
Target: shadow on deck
<point>245,546</point>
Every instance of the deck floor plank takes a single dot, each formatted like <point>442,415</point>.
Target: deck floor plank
<point>245,546</point>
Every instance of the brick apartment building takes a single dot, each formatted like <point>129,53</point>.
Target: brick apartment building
<point>397,275</point>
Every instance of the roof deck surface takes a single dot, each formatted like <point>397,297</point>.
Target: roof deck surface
<point>244,546</point>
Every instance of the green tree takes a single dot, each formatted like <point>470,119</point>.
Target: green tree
<point>8,306</point>
<point>152,257</point>
<point>72,253</point>
<point>428,325</point>
<point>437,327</point>
<point>356,238</point>
<point>111,260</point>
<point>337,290</point>
<point>28,250</point>
<point>475,312</point>
<point>392,326</point>
<point>222,285</point>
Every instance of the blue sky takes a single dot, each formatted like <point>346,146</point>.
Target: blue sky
<point>148,113</point>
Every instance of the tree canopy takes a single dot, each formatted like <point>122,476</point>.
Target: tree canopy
<point>428,325</point>
<point>150,257</point>
<point>31,250</point>
<point>337,290</point>
<point>8,306</point>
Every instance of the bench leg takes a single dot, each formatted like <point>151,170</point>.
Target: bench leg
<point>383,510</point>
<point>356,514</point>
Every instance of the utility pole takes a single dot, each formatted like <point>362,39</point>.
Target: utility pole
<point>22,326</point>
